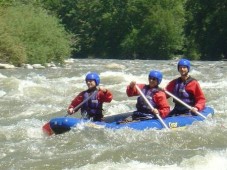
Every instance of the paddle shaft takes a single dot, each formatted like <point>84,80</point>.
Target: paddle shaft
<point>84,101</point>
<point>183,103</point>
<point>151,107</point>
<point>47,129</point>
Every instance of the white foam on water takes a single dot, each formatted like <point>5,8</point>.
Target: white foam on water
<point>212,160</point>
<point>24,129</point>
<point>2,76</point>
<point>30,100</point>
<point>2,93</point>
<point>116,109</point>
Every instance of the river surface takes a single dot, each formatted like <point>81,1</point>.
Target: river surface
<point>31,97</point>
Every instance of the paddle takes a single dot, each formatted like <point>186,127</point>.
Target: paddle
<point>183,103</point>
<point>151,107</point>
<point>47,129</point>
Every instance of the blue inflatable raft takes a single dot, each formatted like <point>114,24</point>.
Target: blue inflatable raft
<point>63,124</point>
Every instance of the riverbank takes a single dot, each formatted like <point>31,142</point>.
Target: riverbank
<point>34,66</point>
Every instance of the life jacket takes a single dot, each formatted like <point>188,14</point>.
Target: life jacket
<point>141,105</point>
<point>92,107</point>
<point>181,93</point>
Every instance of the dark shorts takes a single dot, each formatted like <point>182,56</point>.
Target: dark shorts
<point>177,112</point>
<point>97,118</point>
<point>140,115</point>
<point>93,117</point>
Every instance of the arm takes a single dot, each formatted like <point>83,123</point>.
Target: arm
<point>170,87</point>
<point>104,95</point>
<point>75,102</point>
<point>131,89</point>
<point>162,103</point>
<point>195,89</point>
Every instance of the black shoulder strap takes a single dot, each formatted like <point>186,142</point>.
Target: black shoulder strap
<point>189,80</point>
<point>147,87</point>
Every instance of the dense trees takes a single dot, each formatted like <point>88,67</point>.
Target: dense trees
<point>124,28</point>
<point>133,29</point>
<point>157,32</point>
<point>154,29</point>
<point>29,35</point>
<point>206,29</point>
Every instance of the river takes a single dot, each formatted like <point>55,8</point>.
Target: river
<point>31,97</point>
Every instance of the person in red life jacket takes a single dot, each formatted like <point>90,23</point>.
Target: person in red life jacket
<point>186,89</point>
<point>92,108</point>
<point>156,97</point>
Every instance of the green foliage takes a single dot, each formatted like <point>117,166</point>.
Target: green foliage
<point>206,28</point>
<point>129,28</point>
<point>32,36</point>
<point>11,50</point>
<point>137,29</point>
<point>160,34</point>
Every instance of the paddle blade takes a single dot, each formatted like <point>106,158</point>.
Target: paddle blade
<point>47,129</point>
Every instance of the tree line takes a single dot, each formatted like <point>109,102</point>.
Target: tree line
<point>41,31</point>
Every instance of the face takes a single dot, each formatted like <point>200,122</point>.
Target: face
<point>183,70</point>
<point>91,84</point>
<point>153,82</point>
